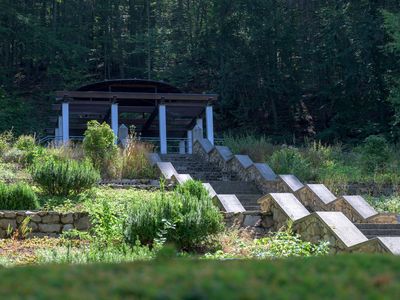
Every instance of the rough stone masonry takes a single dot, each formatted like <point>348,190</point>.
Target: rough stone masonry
<point>43,223</point>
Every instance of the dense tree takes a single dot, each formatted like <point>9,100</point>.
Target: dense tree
<point>282,67</point>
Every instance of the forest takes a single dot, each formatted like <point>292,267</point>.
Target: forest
<point>287,69</point>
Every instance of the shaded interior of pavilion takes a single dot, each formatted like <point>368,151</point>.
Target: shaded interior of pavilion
<point>160,113</point>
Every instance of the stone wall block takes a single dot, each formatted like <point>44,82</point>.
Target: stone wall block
<point>67,227</point>
<point>67,218</point>
<point>82,223</point>
<point>8,223</point>
<point>50,228</point>
<point>51,217</point>
<point>10,214</point>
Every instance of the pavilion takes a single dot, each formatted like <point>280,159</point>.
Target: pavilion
<point>159,111</point>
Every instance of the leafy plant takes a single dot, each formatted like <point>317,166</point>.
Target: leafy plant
<point>189,213</point>
<point>374,153</point>
<point>289,160</point>
<point>99,146</point>
<point>25,143</point>
<point>64,177</point>
<point>5,141</point>
<point>18,196</point>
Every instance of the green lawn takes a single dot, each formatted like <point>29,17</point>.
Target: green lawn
<point>338,277</point>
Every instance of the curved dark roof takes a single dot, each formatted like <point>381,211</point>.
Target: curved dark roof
<point>131,85</point>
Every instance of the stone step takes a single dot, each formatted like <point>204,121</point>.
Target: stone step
<point>381,232</point>
<point>362,226</point>
<point>234,187</point>
<point>248,198</point>
<point>251,207</point>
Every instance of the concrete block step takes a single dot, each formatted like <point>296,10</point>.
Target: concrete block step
<point>248,198</point>
<point>252,207</point>
<point>377,226</point>
<point>381,232</point>
<point>234,187</point>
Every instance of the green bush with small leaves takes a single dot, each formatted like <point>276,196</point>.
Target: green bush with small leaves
<point>290,161</point>
<point>64,177</point>
<point>186,217</point>
<point>25,143</point>
<point>18,196</point>
<point>99,146</point>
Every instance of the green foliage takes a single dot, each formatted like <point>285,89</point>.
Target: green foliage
<point>385,204</point>
<point>198,218</point>
<point>99,146</point>
<point>135,164</point>
<point>6,138</point>
<point>290,161</point>
<point>371,277</point>
<point>185,218</point>
<point>17,197</point>
<point>25,143</point>
<point>374,153</point>
<point>392,26</point>
<point>64,177</point>
<point>257,147</point>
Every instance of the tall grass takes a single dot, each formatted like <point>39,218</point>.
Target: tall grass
<point>135,164</point>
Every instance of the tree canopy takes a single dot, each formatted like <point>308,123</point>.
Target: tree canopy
<point>283,68</point>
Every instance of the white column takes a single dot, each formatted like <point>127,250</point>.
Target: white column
<point>210,124</point>
<point>189,142</point>
<point>199,122</point>
<point>65,122</point>
<point>182,148</point>
<point>162,117</point>
<point>60,130</point>
<point>114,119</point>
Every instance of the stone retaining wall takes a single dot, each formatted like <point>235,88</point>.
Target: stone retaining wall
<point>256,221</point>
<point>43,223</point>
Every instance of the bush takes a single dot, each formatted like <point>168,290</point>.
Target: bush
<point>150,220</point>
<point>17,197</point>
<point>64,177</point>
<point>25,143</point>
<point>374,153</point>
<point>199,217</point>
<point>186,218</point>
<point>290,161</point>
<point>258,148</point>
<point>99,146</point>
<point>5,141</point>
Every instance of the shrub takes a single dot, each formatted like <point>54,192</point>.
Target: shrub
<point>199,217</point>
<point>290,161</point>
<point>64,177</point>
<point>99,146</point>
<point>25,143</point>
<point>258,148</point>
<point>374,153</point>
<point>149,220</point>
<point>186,218</point>
<point>17,197</point>
<point>5,141</point>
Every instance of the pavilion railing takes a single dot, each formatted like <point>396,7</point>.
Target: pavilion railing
<point>174,145</point>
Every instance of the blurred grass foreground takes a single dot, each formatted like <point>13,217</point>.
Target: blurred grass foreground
<point>336,277</point>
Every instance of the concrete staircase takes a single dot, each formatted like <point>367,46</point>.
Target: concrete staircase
<point>372,230</point>
<point>222,182</point>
